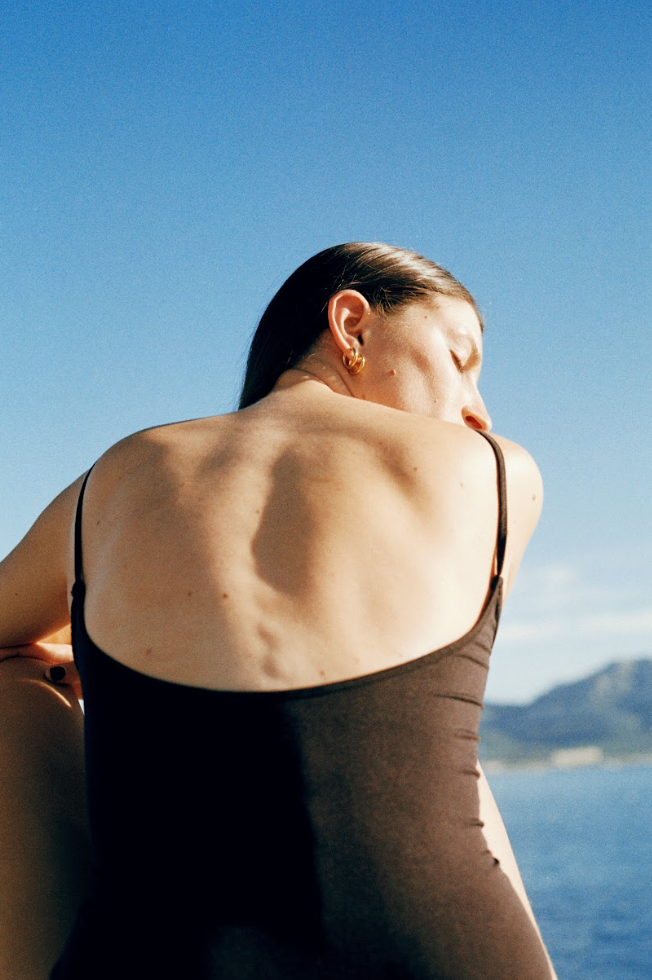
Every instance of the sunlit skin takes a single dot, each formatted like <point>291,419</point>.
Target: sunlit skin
<point>424,358</point>
<point>342,525</point>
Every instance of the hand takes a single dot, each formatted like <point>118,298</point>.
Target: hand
<point>51,653</point>
<point>61,669</point>
<point>64,673</point>
<point>54,648</point>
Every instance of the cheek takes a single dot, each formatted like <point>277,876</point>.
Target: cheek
<point>424,362</point>
<point>406,390</point>
<point>449,391</point>
<point>445,380</point>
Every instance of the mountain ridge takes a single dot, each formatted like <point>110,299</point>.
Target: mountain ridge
<point>610,711</point>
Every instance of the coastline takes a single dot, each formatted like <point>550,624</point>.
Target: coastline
<point>552,764</point>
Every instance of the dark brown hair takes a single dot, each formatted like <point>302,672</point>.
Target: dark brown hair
<point>387,277</point>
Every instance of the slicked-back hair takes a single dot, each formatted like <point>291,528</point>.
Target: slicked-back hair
<point>386,276</point>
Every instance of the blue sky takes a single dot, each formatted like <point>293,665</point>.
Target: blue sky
<point>166,166</point>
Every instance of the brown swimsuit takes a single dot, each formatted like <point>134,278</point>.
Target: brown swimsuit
<point>314,834</point>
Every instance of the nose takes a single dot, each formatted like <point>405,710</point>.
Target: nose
<point>476,416</point>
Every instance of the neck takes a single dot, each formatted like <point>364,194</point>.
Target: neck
<point>324,376</point>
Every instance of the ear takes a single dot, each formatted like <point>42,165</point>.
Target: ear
<point>347,312</point>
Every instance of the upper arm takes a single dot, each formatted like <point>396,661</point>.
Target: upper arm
<point>34,576</point>
<point>524,502</point>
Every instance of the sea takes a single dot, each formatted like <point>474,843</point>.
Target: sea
<point>583,843</point>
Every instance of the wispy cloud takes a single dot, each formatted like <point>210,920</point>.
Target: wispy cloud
<point>567,619</point>
<point>531,630</point>
<point>566,588</point>
<point>631,622</point>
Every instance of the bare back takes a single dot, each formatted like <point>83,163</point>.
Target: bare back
<point>306,540</point>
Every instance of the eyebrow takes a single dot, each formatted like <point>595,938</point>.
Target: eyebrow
<point>475,357</point>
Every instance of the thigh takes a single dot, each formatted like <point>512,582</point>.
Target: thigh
<point>44,852</point>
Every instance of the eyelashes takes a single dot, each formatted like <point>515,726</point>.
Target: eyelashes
<point>457,361</point>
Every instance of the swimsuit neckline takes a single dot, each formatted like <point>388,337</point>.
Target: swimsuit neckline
<point>384,673</point>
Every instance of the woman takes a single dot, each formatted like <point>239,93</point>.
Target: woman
<point>282,620</point>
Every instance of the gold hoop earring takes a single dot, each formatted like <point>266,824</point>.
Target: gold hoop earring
<point>353,361</point>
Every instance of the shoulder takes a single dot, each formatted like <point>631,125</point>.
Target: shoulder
<point>524,503</point>
<point>150,454</point>
<point>465,445</point>
<point>147,445</point>
<point>471,461</point>
<point>475,452</point>
<point>524,482</point>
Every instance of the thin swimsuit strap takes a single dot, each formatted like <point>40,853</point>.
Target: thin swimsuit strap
<point>501,541</point>
<point>79,568</point>
<point>502,514</point>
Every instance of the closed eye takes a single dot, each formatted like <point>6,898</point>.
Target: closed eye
<point>457,361</point>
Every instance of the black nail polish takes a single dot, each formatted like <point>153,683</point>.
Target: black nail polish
<point>57,673</point>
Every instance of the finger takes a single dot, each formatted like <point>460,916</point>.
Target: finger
<point>64,676</point>
<point>54,653</point>
<point>51,653</point>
